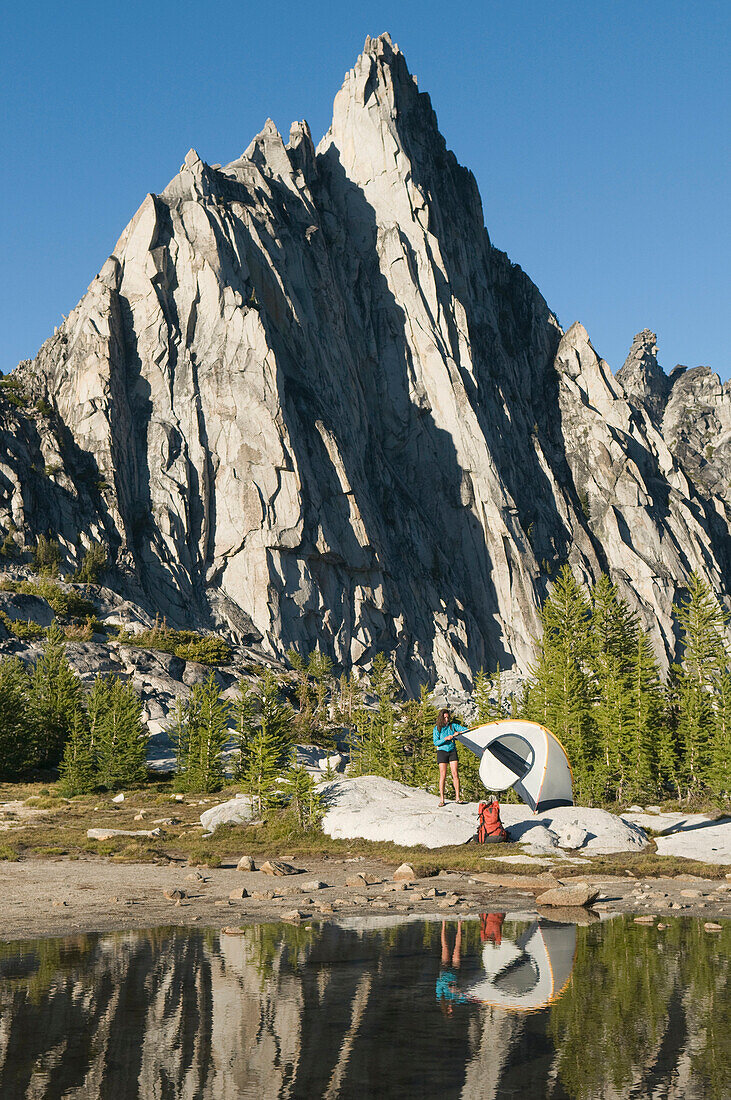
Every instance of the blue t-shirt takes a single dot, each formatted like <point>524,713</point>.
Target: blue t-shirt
<point>440,736</point>
<point>447,988</point>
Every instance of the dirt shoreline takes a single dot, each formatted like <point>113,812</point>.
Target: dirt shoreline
<point>61,897</point>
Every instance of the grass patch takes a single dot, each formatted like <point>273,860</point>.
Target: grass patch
<point>9,853</point>
<point>63,602</point>
<point>60,829</point>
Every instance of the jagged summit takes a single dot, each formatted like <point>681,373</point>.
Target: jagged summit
<point>307,402</point>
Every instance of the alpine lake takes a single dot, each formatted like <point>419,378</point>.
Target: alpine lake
<point>497,1005</point>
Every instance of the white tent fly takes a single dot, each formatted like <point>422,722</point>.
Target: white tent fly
<point>526,757</point>
<point>529,972</point>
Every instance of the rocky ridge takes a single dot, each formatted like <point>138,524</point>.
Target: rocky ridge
<point>306,401</point>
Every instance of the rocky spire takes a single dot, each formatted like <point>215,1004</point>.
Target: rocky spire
<point>642,378</point>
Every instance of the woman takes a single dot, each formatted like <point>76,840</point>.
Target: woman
<point>444,736</point>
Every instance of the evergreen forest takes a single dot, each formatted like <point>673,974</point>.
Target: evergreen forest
<point>630,733</point>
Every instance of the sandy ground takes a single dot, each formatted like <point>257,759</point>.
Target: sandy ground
<point>69,897</point>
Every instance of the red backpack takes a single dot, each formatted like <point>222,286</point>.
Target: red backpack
<point>489,826</point>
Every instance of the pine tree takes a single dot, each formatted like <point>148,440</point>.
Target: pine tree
<point>697,684</point>
<point>418,718</point>
<point>200,736</point>
<point>559,695</point>
<point>119,740</point>
<point>17,748</point>
<point>54,699</point>
<point>263,736</point>
<point>622,669</point>
<point>78,766</point>
<point>300,792</point>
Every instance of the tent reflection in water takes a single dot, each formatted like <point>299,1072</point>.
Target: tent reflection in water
<point>527,973</point>
<point>525,756</point>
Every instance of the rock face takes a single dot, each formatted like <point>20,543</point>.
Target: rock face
<point>306,401</point>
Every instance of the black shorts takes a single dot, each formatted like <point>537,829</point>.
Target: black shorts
<point>443,755</point>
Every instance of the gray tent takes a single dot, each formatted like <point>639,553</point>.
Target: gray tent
<point>525,756</point>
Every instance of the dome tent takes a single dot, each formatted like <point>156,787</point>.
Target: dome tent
<point>524,756</point>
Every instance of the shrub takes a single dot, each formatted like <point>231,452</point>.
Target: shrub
<point>13,392</point>
<point>207,649</point>
<point>47,556</point>
<point>304,800</point>
<point>25,629</point>
<point>93,564</point>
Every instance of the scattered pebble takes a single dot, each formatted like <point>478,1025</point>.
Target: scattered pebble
<point>711,927</point>
<point>239,893</point>
<point>173,894</point>
<point>246,863</point>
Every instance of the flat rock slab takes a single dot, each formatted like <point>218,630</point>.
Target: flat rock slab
<point>107,834</point>
<point>518,882</point>
<point>694,836</point>
<point>375,808</point>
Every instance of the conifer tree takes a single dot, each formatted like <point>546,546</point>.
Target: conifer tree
<point>622,762</point>
<point>120,746</point>
<point>17,749</point>
<point>698,683</point>
<point>54,699</point>
<point>300,792</point>
<point>417,723</point>
<point>559,695</point>
<point>200,737</point>
<point>78,766</point>
<point>263,735</point>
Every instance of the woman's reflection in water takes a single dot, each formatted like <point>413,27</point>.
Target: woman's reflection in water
<point>448,994</point>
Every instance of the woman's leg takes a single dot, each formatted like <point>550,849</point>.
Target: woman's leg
<point>442,780</point>
<point>445,945</point>
<point>454,765</point>
<point>457,956</point>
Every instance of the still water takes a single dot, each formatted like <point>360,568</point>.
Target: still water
<point>503,1006</point>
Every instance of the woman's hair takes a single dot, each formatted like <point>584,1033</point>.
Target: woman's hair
<point>442,718</point>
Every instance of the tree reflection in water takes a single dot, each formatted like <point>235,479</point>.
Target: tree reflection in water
<point>342,1011</point>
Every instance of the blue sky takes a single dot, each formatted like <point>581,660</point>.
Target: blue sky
<point>598,134</point>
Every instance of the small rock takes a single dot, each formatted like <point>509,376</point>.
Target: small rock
<point>239,893</point>
<point>380,904</point>
<point>178,798</point>
<point>263,895</point>
<point>118,797</point>
<point>232,931</point>
<point>578,895</point>
<point>59,904</point>
<point>114,900</point>
<point>294,916</point>
<point>653,810</point>
<point>324,907</point>
<point>195,876</point>
<point>404,873</point>
<point>647,919</point>
<point>358,899</point>
<point>308,887</point>
<point>711,927</point>
<point>660,927</point>
<point>173,894</point>
<point>221,903</point>
<point>140,816</point>
<point>691,893</point>
<point>246,863</point>
<point>278,868</point>
<point>166,821</point>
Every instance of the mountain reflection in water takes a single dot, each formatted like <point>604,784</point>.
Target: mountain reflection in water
<point>483,1008</point>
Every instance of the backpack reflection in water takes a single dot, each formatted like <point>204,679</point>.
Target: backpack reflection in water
<point>448,995</point>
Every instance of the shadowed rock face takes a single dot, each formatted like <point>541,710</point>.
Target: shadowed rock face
<point>308,401</point>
